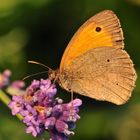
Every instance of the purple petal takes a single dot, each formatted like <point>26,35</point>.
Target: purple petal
<point>76,103</point>
<point>16,104</point>
<point>7,73</point>
<point>35,84</point>
<point>57,136</point>
<point>57,111</point>
<point>32,130</point>
<point>61,126</point>
<point>50,122</point>
<point>18,84</point>
<point>48,111</point>
<point>46,83</point>
<point>15,107</point>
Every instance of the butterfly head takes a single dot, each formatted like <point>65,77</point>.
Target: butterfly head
<point>53,74</point>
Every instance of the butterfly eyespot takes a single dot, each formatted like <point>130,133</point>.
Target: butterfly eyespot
<point>98,29</point>
<point>69,90</point>
<point>117,84</point>
<point>108,60</point>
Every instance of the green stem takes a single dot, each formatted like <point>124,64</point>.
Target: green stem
<point>6,100</point>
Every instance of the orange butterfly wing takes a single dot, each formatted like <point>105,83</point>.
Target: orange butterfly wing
<point>103,29</point>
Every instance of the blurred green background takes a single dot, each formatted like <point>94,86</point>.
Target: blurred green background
<point>40,30</point>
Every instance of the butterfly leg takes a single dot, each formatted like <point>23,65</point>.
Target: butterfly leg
<point>71,95</point>
<point>55,79</point>
<point>71,109</point>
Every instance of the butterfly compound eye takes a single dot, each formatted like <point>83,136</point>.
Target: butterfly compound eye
<point>98,29</point>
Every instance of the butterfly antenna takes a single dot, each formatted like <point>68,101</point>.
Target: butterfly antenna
<point>28,76</point>
<point>37,63</point>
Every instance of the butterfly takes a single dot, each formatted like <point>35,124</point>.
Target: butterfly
<point>95,64</point>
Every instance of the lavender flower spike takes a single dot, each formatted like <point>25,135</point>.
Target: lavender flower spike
<point>4,78</point>
<point>42,112</point>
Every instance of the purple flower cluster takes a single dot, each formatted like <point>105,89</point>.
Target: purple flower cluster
<point>41,111</point>
<point>4,78</point>
<point>12,88</point>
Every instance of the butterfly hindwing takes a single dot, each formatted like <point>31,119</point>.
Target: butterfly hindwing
<point>104,73</point>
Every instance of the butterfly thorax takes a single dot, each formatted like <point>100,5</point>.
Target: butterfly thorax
<point>63,78</point>
<point>66,80</point>
<point>53,74</point>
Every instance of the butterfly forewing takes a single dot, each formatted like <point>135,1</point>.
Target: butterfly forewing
<point>103,29</point>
